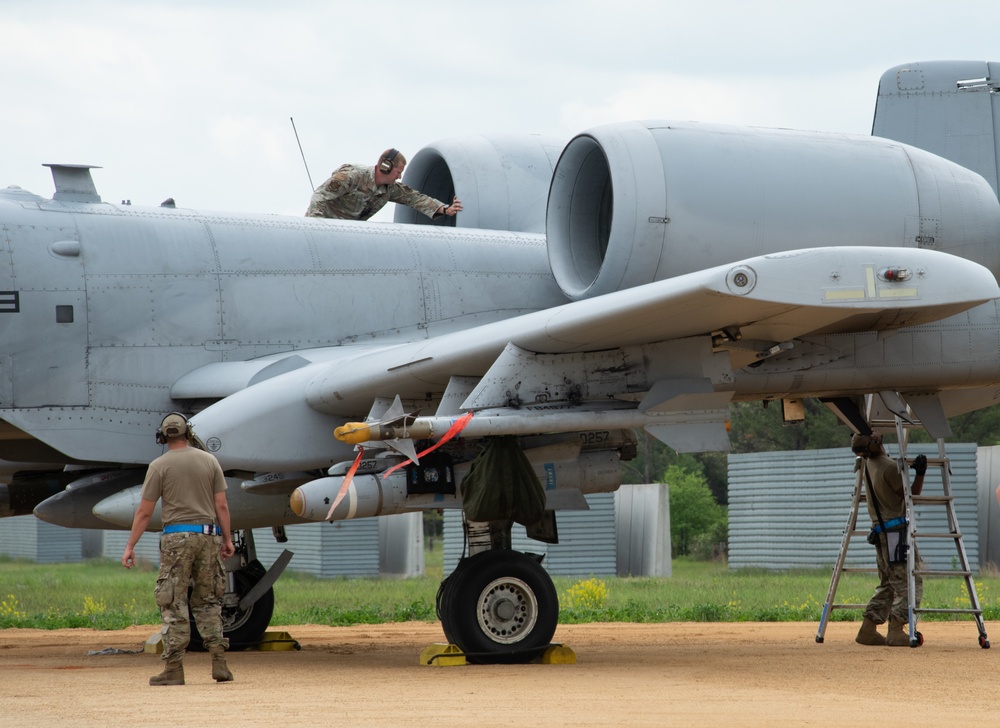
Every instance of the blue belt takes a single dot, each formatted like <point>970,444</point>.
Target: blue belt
<point>890,525</point>
<point>212,530</point>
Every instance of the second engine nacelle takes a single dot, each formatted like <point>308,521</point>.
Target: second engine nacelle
<point>638,202</point>
<point>502,180</point>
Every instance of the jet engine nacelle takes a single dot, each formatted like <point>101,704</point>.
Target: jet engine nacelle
<point>502,180</point>
<point>637,202</point>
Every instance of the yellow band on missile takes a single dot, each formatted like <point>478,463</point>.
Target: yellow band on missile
<point>353,433</point>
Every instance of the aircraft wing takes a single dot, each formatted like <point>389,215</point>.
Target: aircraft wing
<point>645,344</point>
<point>770,299</point>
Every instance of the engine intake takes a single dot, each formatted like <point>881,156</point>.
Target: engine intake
<point>502,180</point>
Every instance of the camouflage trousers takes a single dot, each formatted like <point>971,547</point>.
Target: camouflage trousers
<point>890,597</point>
<point>190,561</point>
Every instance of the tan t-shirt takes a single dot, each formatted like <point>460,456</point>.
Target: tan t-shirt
<point>887,482</point>
<point>187,480</point>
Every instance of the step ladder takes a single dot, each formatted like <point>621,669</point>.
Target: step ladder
<point>903,422</point>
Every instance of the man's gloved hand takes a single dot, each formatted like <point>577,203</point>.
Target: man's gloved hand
<point>920,464</point>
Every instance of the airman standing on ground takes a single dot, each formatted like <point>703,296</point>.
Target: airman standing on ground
<point>196,537</point>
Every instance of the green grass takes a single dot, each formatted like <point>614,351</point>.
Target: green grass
<point>103,595</point>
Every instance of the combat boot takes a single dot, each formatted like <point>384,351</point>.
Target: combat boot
<point>173,674</point>
<point>220,671</point>
<point>896,636</point>
<point>868,634</point>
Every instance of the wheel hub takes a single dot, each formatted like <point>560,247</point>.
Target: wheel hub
<point>508,609</point>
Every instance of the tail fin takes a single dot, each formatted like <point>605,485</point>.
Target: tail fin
<point>949,108</point>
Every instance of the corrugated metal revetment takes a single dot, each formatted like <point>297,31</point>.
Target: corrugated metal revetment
<point>344,548</point>
<point>147,550</point>
<point>788,510</point>
<point>586,540</point>
<point>25,537</point>
<point>587,544</point>
<point>625,533</point>
<point>349,548</point>
<point>365,547</point>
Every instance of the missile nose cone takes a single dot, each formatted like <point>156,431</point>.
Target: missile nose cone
<point>118,509</point>
<point>353,433</point>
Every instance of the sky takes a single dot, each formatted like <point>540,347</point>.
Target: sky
<point>193,99</point>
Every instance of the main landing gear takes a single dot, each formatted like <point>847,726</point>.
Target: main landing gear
<point>499,606</point>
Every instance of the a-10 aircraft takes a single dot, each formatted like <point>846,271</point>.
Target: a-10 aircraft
<point>644,274</point>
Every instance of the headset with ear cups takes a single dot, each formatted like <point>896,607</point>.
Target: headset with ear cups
<point>386,165</point>
<point>161,437</point>
<point>867,444</point>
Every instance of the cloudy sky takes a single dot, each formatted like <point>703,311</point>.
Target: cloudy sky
<point>192,99</point>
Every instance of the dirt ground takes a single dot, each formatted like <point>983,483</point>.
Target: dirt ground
<point>680,674</point>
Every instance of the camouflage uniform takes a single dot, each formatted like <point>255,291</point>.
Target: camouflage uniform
<point>351,194</point>
<point>890,596</point>
<point>187,481</point>
<point>190,560</point>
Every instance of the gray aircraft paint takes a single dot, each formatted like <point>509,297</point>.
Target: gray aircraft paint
<point>275,330</point>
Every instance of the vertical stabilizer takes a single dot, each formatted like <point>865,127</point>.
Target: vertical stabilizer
<point>949,108</point>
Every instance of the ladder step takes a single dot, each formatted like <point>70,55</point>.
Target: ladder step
<point>942,572</point>
<point>928,610</point>
<point>932,500</point>
<point>848,606</point>
<point>877,422</point>
<point>937,535</point>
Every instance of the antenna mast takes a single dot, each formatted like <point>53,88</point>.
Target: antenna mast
<point>312,187</point>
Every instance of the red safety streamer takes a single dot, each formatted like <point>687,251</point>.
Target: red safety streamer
<point>456,427</point>
<point>347,482</point>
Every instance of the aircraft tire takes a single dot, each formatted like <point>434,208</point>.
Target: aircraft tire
<point>444,598</point>
<point>243,628</point>
<point>502,609</point>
